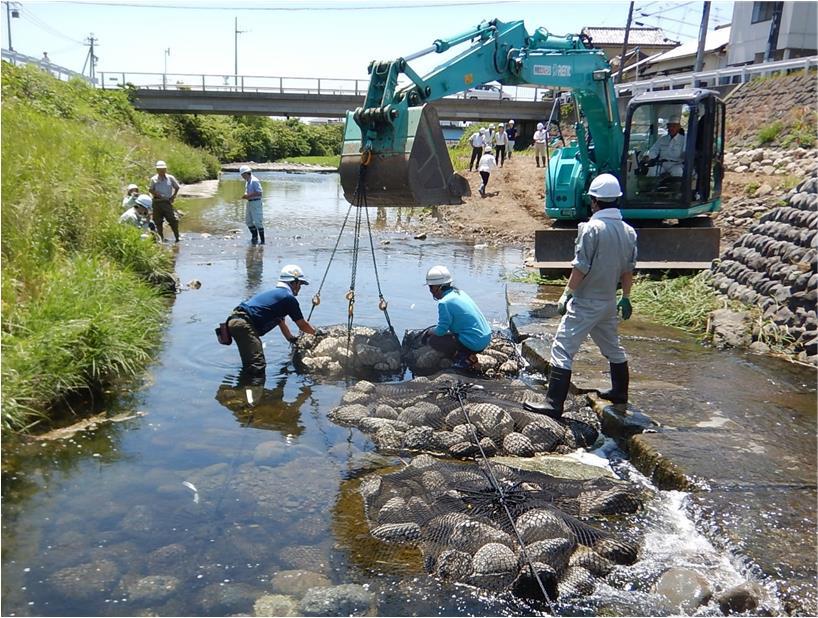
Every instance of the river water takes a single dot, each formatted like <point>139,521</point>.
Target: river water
<point>84,519</point>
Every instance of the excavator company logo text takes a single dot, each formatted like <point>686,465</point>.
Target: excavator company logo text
<point>557,70</point>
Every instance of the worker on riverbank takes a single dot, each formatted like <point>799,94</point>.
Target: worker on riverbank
<point>477,142</point>
<point>164,188</point>
<point>253,215</point>
<point>540,135</point>
<point>500,141</point>
<point>462,330</point>
<point>605,256</point>
<point>130,197</point>
<point>511,135</point>
<point>138,214</point>
<point>257,316</point>
<point>667,155</point>
<point>486,167</point>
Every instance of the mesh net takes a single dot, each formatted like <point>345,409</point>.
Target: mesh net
<point>499,528</point>
<point>367,351</point>
<point>500,358</point>
<point>422,415</point>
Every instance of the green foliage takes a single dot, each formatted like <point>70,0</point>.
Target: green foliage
<point>768,134</point>
<point>801,131</point>
<point>751,188</point>
<point>526,275</point>
<point>323,161</point>
<point>684,302</point>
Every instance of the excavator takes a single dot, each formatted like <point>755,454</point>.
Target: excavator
<point>394,153</point>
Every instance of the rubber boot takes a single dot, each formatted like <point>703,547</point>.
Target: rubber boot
<point>253,236</point>
<point>261,235</point>
<point>620,377</point>
<point>559,382</point>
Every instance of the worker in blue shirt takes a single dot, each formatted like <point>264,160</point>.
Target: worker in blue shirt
<point>462,329</point>
<point>257,316</point>
<point>253,214</point>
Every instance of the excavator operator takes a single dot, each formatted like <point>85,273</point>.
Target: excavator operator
<point>667,155</point>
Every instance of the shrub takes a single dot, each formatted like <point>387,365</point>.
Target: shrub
<point>768,134</point>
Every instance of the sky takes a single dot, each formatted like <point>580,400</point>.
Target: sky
<point>308,38</point>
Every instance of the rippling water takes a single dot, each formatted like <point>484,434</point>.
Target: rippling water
<point>86,518</point>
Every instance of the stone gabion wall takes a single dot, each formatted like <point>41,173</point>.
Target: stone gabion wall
<point>772,161</point>
<point>773,266</point>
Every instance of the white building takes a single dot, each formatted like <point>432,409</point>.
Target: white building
<point>682,59</point>
<point>792,27</point>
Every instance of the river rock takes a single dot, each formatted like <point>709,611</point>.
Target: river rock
<point>343,600</point>
<point>275,605</point>
<point>270,453</point>
<point>684,588</point>
<point>85,581</point>
<point>153,588</point>
<point>739,599</point>
<point>500,358</point>
<point>304,557</point>
<point>228,598</point>
<point>367,350</point>
<point>296,582</point>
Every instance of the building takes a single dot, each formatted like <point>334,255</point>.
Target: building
<point>784,30</point>
<point>642,43</point>
<point>682,59</point>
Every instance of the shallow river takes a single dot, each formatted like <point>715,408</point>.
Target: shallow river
<point>113,502</point>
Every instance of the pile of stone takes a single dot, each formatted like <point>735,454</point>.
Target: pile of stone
<point>500,358</point>
<point>367,350</point>
<point>422,415</point>
<point>772,161</point>
<point>451,512</point>
<point>773,267</point>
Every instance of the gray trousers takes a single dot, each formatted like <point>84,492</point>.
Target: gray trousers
<point>248,343</point>
<point>587,317</point>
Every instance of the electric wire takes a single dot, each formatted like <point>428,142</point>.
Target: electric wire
<point>37,21</point>
<point>293,8</point>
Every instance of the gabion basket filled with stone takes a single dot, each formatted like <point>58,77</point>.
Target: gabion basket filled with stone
<point>452,512</point>
<point>422,415</point>
<point>500,358</point>
<point>368,351</point>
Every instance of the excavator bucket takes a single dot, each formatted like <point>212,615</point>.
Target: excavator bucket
<point>412,168</point>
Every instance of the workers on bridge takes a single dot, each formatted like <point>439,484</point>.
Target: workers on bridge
<point>605,256</point>
<point>667,155</point>
<point>253,215</point>
<point>164,188</point>
<point>257,316</point>
<point>462,330</point>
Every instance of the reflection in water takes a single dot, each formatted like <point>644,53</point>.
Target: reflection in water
<point>261,408</point>
<point>254,261</point>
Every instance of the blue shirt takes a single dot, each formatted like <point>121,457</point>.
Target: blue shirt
<point>457,313</point>
<point>253,186</point>
<point>268,309</point>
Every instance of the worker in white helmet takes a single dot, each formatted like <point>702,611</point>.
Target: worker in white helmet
<point>605,257</point>
<point>540,136</point>
<point>138,214</point>
<point>462,330</point>
<point>164,188</point>
<point>667,155</point>
<point>253,215</point>
<point>511,134</point>
<point>131,193</point>
<point>500,141</point>
<point>257,316</point>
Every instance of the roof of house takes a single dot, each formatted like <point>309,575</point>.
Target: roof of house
<point>651,37</point>
<point>714,40</point>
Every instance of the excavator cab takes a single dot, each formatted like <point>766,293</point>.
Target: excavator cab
<point>672,166</point>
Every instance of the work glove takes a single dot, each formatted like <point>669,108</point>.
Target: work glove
<point>293,339</point>
<point>624,305</point>
<point>562,303</point>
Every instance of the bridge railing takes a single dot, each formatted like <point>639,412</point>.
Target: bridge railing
<point>718,77</point>
<point>56,70</point>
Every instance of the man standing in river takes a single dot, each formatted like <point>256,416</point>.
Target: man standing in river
<point>164,188</point>
<point>605,256</point>
<point>255,317</point>
<point>253,212</point>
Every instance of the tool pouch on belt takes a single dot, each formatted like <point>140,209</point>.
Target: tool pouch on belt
<point>223,334</point>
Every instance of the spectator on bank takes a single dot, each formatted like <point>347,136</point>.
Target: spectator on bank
<point>500,141</point>
<point>540,136</point>
<point>130,197</point>
<point>511,135</point>
<point>487,164</point>
<point>138,215</point>
<point>477,144</point>
<point>164,188</point>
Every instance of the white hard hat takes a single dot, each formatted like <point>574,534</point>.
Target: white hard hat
<point>131,187</point>
<point>510,122</point>
<point>487,149</point>
<point>145,201</point>
<point>482,131</point>
<point>244,169</point>
<point>500,126</point>
<point>673,120</point>
<point>605,187</point>
<point>161,165</point>
<point>540,126</point>
<point>438,275</point>
<point>293,272</point>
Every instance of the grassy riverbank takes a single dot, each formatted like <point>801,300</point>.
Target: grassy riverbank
<point>78,308</point>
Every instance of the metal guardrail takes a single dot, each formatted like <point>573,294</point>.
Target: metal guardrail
<point>56,70</point>
<point>717,77</point>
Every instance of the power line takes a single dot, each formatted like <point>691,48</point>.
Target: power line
<point>293,7</point>
<point>35,20</point>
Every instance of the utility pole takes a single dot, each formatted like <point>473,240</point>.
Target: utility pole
<point>702,38</point>
<point>625,45</point>
<point>91,60</point>
<point>167,53</point>
<point>11,12</point>
<point>236,33</point>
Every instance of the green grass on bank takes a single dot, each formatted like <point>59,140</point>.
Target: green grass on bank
<point>78,311</point>
<point>324,161</point>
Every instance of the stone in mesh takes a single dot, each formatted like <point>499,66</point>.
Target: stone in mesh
<point>370,351</point>
<point>422,415</point>
<point>452,512</point>
<point>500,358</point>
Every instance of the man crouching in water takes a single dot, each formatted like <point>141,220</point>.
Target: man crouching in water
<point>462,329</point>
